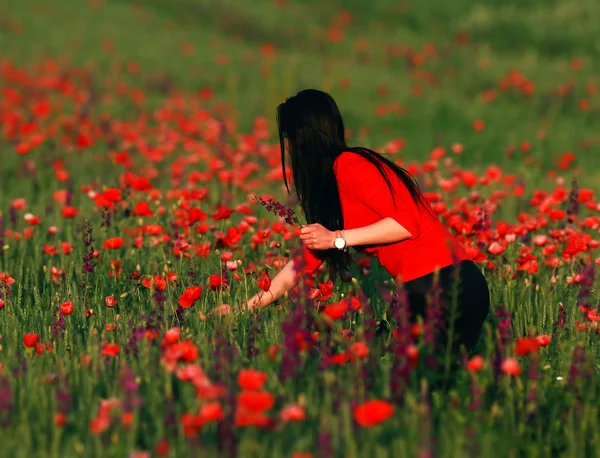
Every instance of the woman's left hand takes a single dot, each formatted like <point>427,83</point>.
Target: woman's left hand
<point>317,237</point>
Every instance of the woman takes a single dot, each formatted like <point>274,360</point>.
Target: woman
<point>354,197</point>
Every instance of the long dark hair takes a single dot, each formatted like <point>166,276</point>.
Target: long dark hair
<point>313,126</point>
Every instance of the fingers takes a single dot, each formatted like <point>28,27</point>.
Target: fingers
<point>309,227</point>
<point>309,244</point>
<point>309,235</point>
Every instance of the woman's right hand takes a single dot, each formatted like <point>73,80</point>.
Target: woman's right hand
<point>221,310</point>
<point>282,282</point>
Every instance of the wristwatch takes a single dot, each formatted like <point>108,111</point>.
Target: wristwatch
<point>340,241</point>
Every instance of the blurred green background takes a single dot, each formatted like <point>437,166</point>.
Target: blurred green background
<point>423,71</point>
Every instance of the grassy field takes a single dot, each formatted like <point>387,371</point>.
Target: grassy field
<point>131,134</point>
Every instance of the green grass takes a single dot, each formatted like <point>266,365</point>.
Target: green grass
<point>539,39</point>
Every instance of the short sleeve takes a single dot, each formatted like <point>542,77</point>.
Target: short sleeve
<point>360,179</point>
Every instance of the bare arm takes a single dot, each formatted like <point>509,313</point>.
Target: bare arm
<point>284,281</point>
<point>386,230</point>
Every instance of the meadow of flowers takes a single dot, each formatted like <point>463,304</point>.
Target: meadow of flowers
<point>136,209</point>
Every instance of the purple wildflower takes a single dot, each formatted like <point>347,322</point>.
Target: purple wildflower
<point>6,402</point>
<point>503,338</point>
<point>2,234</point>
<point>434,315</point>
<point>136,336</point>
<point>426,439</point>
<point>325,446</point>
<point>63,397</point>
<point>400,373</point>
<point>576,371</point>
<point>225,354</point>
<point>106,217</point>
<point>561,320</point>
<point>476,394</point>
<point>533,372</point>
<point>588,275</point>
<point>290,361</point>
<point>58,326</point>
<point>22,368</point>
<point>369,320</point>
<point>297,322</point>
<point>325,350</point>
<point>69,193</point>
<point>573,203</point>
<point>131,399</point>
<point>12,213</point>
<point>89,249</point>
<point>279,209</point>
<point>253,331</point>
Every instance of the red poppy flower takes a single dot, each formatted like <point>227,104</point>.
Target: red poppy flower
<point>353,302</point>
<point>110,301</point>
<point>526,345</point>
<point>66,307</point>
<point>496,248</point>
<point>223,213</point>
<point>292,412</point>
<point>544,340</point>
<point>142,209</point>
<point>245,418</point>
<point>189,296</point>
<point>172,335</point>
<point>373,412</point>
<point>216,282</point>
<point>153,229</point>
<point>29,340</point>
<point>50,250</point>
<point>111,350</point>
<point>358,350</point>
<point>6,279</point>
<point>255,401</point>
<point>66,247</point>
<point>32,220</point>
<point>339,359</point>
<point>510,366</point>
<point>157,282</point>
<point>195,215</point>
<point>113,195</point>
<point>250,379</point>
<point>212,412</point>
<point>336,310</point>
<point>272,351</point>
<point>113,243</point>
<point>60,419</point>
<point>69,212</point>
<point>163,448</point>
<point>475,364</point>
<point>264,282</point>
<point>182,351</point>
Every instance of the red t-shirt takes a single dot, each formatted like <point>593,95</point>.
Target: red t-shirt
<point>365,199</point>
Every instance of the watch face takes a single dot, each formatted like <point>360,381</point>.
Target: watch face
<point>340,243</point>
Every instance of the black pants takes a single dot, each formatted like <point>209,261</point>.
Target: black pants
<point>462,286</point>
